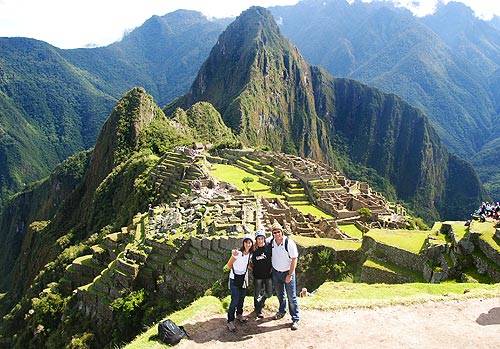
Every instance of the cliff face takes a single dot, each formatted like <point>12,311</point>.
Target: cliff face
<point>269,95</point>
<point>36,204</point>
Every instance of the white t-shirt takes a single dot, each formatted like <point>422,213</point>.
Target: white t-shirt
<point>239,265</point>
<point>281,258</point>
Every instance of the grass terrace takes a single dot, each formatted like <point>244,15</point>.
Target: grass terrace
<point>408,240</point>
<point>487,231</point>
<point>307,208</point>
<point>337,245</point>
<point>351,230</point>
<point>458,228</point>
<point>234,176</point>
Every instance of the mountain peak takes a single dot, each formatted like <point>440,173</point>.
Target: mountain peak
<point>119,134</point>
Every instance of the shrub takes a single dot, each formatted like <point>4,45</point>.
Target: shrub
<point>365,213</point>
<point>128,312</point>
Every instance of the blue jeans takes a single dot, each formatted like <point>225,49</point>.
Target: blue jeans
<point>237,298</point>
<point>291,292</point>
<point>262,289</point>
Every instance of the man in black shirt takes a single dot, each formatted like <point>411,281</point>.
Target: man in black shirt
<point>261,261</point>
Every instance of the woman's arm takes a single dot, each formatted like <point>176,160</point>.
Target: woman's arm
<point>232,259</point>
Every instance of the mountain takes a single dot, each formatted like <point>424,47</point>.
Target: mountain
<point>163,55</point>
<point>53,101</point>
<point>442,63</point>
<point>98,189</point>
<point>269,95</point>
<point>49,110</point>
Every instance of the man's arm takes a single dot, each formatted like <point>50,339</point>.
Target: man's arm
<point>293,265</point>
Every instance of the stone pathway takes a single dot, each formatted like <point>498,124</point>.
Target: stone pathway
<point>454,324</point>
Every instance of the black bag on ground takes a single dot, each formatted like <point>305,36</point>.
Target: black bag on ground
<point>170,333</point>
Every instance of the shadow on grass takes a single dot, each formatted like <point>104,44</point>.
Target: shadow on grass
<point>492,317</point>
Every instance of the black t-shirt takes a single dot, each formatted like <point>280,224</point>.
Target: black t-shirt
<point>261,260</point>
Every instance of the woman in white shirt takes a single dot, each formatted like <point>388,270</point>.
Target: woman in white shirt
<point>238,281</point>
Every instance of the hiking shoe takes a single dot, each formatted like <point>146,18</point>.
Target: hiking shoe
<point>278,315</point>
<point>231,327</point>
<point>241,318</point>
<point>295,325</point>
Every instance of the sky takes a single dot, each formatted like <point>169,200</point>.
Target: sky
<point>81,23</point>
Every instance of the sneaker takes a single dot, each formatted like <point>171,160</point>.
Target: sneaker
<point>260,316</point>
<point>231,327</point>
<point>278,315</point>
<point>241,318</point>
<point>295,325</point>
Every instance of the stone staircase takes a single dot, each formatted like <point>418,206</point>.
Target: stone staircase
<point>174,175</point>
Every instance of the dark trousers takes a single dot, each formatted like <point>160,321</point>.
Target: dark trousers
<point>237,298</point>
<point>262,289</point>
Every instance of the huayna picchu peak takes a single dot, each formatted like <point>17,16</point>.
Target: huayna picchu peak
<point>269,95</point>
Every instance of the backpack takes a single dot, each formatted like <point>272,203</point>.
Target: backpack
<point>170,333</point>
<point>286,246</point>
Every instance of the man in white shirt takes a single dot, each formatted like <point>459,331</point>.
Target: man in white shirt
<point>284,262</point>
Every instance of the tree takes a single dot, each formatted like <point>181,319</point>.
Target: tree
<point>365,213</point>
<point>247,181</point>
<point>280,184</point>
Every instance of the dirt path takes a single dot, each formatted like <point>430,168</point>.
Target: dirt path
<point>455,324</point>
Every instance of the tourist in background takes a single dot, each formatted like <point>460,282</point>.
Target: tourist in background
<point>238,263</point>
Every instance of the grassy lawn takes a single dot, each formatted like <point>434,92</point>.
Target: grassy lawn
<point>392,268</point>
<point>487,231</point>
<point>351,230</point>
<point>408,240</point>
<point>337,245</point>
<point>338,295</point>
<point>458,228</point>
<point>234,175</point>
<point>309,208</point>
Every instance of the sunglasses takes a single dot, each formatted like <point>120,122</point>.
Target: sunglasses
<point>276,232</point>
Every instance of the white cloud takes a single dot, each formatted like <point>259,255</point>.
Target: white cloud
<point>77,23</point>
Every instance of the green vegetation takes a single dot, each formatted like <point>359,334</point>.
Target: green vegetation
<point>337,245</point>
<point>234,175</point>
<point>351,230</point>
<point>487,231</point>
<point>128,313</point>
<point>458,227</point>
<point>365,213</point>
<point>340,295</point>
<point>310,209</point>
<point>246,181</point>
<point>459,100</point>
<point>409,240</point>
<point>204,306</point>
<point>391,268</point>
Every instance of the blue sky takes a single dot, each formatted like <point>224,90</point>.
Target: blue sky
<point>78,23</point>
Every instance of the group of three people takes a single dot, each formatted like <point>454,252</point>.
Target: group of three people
<point>273,262</point>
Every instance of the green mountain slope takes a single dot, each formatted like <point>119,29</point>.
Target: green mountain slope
<point>48,110</point>
<point>53,101</point>
<point>275,98</point>
<point>441,64</point>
